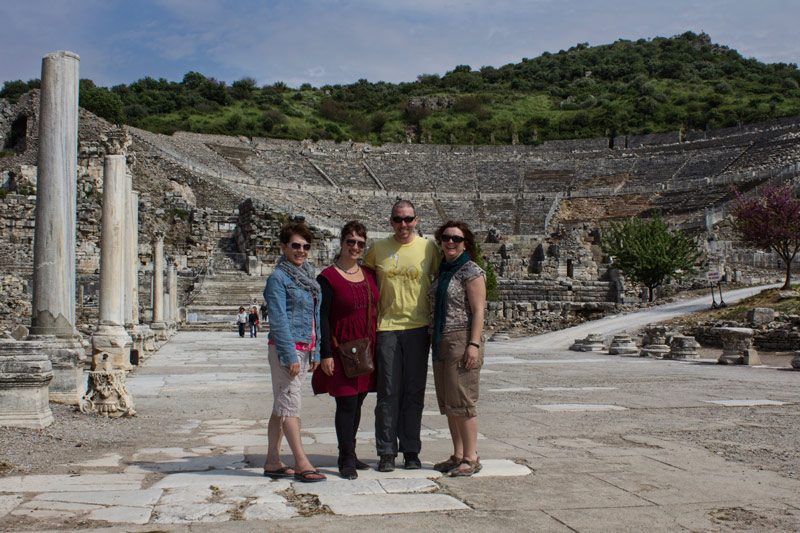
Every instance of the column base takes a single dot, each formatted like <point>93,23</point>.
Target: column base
<point>160,330</point>
<point>25,377</point>
<point>68,358</point>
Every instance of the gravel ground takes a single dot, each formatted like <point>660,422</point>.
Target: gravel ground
<point>73,437</point>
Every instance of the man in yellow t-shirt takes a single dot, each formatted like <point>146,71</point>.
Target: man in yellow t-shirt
<point>404,264</point>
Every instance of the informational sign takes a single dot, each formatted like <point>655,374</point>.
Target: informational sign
<point>713,276</point>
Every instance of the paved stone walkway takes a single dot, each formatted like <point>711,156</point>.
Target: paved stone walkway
<point>570,442</point>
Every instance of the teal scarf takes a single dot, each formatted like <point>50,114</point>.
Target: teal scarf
<point>446,271</point>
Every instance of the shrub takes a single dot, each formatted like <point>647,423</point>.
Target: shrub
<point>414,115</point>
<point>332,110</point>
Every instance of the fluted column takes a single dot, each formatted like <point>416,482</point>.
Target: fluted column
<point>110,335</point>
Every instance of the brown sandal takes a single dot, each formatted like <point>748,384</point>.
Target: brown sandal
<point>473,468</point>
<point>446,466</point>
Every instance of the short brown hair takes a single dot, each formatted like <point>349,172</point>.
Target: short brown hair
<point>354,226</point>
<point>469,237</point>
<point>404,203</point>
<point>295,228</point>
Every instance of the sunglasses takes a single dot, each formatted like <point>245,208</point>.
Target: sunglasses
<point>458,239</point>
<point>407,220</point>
<point>356,242</point>
<point>297,246</point>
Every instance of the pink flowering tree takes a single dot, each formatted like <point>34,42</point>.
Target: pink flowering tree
<point>770,221</point>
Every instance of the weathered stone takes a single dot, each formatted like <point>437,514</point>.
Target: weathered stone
<point>760,315</point>
<point>158,325</point>
<point>20,333</point>
<point>53,305</point>
<point>788,295</point>
<point>736,343</point>
<point>25,375</point>
<point>654,342</point>
<point>683,347</point>
<point>106,392</point>
<point>592,343</point>
<point>110,336</point>
<point>796,360</point>
<point>623,345</point>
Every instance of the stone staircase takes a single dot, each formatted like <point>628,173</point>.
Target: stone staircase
<point>218,299</point>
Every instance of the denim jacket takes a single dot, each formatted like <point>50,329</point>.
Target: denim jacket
<point>291,310</point>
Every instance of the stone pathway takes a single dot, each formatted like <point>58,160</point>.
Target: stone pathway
<point>220,478</point>
<point>570,442</point>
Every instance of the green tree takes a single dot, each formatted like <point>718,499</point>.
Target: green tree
<point>492,291</point>
<point>647,251</point>
<point>100,101</point>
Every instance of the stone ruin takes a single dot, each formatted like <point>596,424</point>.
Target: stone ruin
<point>48,364</point>
<point>209,207</point>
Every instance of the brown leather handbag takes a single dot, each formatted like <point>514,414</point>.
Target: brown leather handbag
<point>356,355</point>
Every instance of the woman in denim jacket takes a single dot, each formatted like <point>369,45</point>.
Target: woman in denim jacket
<point>293,299</point>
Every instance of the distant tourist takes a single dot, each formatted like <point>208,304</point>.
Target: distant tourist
<point>457,299</point>
<point>293,297</point>
<point>403,264</point>
<point>241,320</point>
<point>349,313</point>
<point>252,320</point>
<point>264,312</point>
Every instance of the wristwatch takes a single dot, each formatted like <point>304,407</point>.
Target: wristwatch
<point>475,344</point>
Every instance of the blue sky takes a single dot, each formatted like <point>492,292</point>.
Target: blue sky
<point>330,41</point>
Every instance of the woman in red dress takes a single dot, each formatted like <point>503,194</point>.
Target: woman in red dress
<point>343,316</point>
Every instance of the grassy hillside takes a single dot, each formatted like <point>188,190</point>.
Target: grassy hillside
<point>658,85</point>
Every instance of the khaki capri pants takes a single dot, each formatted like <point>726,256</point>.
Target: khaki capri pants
<point>456,387</point>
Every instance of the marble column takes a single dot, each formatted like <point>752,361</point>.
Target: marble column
<point>53,305</point>
<point>172,299</point>
<point>110,336</point>
<point>129,253</point>
<point>131,266</point>
<point>158,325</point>
<point>53,302</point>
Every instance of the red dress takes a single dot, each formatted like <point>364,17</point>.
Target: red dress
<point>347,321</point>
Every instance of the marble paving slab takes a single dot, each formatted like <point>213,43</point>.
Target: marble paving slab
<point>744,403</point>
<point>378,504</point>
<point>71,483</point>
<point>579,407</point>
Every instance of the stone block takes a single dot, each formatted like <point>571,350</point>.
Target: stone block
<point>24,394</point>
<point>760,315</point>
<point>20,332</point>
<point>683,347</point>
<point>623,345</point>
<point>751,357</point>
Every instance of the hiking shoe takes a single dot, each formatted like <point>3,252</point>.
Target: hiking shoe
<point>411,461</point>
<point>386,464</point>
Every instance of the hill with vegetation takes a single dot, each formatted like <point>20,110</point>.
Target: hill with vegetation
<point>684,82</point>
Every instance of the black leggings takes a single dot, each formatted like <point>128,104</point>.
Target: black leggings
<point>348,417</point>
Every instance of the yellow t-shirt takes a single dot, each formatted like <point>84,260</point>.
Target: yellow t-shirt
<point>404,274</point>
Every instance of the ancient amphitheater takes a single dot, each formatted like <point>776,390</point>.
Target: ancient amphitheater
<point>536,209</point>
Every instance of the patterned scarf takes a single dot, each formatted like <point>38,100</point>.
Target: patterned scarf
<point>302,275</point>
<point>446,271</point>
